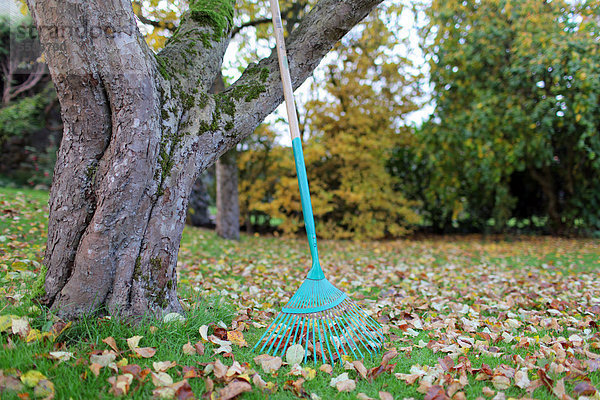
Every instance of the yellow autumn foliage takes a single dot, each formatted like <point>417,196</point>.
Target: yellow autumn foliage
<point>349,135</point>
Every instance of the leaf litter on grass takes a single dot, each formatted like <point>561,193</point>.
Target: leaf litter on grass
<point>464,317</point>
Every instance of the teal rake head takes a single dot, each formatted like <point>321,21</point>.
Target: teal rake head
<point>319,316</point>
<point>327,324</point>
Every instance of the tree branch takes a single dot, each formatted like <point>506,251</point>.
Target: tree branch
<point>137,10</point>
<point>315,36</point>
<point>194,53</point>
<point>256,22</point>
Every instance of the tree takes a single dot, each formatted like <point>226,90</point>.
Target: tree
<point>516,87</point>
<point>125,170</point>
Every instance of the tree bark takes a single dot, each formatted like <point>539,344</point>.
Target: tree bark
<point>138,129</point>
<point>228,208</point>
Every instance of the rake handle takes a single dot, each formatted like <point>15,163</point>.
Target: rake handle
<point>288,93</point>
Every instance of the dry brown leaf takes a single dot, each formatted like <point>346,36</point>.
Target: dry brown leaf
<point>435,392</point>
<point>328,369</point>
<point>111,342</point>
<point>161,379</point>
<point>199,346</point>
<point>385,396</point>
<point>501,382</point>
<point>120,384</point>
<point>145,352</point>
<point>363,396</point>
<point>188,349</point>
<point>346,386</point>
<point>133,342</point>
<point>521,379</point>
<point>268,363</point>
<point>220,369</point>
<point>162,366</point>
<point>234,389</point>
<point>360,368</point>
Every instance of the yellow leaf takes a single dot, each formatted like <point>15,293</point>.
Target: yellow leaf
<point>31,378</point>
<point>133,342</point>
<point>6,322</point>
<point>34,335</point>
<point>237,338</point>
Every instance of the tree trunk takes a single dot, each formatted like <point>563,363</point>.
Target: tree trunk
<point>228,209</point>
<point>199,201</point>
<point>546,182</point>
<point>138,129</point>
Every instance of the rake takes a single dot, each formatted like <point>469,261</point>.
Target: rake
<point>319,318</point>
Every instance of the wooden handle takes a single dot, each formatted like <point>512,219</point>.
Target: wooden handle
<point>284,68</point>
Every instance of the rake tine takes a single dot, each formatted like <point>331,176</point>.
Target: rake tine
<point>338,336</point>
<point>281,325</point>
<point>344,329</point>
<point>364,331</point>
<point>360,335</point>
<point>321,340</point>
<point>369,321</point>
<point>294,318</point>
<point>350,331</point>
<point>327,338</point>
<point>267,331</point>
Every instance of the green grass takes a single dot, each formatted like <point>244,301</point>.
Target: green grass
<point>497,279</point>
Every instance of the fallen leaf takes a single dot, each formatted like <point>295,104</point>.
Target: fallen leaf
<point>61,355</point>
<point>161,379</point>
<point>237,338</point>
<point>31,378</point>
<point>133,342</point>
<point>436,392</point>
<point>363,396</point>
<point>360,368</point>
<point>501,382</point>
<point>199,346</point>
<point>294,354</point>
<point>111,342</point>
<point>204,332</point>
<point>145,352</point>
<point>385,396</point>
<point>173,317</point>
<point>328,369</point>
<point>268,363</point>
<point>44,389</point>
<point>220,369</point>
<point>346,386</point>
<point>188,349</point>
<point>20,326</point>
<point>162,366</point>
<point>521,379</point>
<point>234,389</point>
<point>103,359</point>
<point>584,389</point>
<point>120,384</point>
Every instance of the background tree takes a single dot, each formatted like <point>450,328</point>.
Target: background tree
<point>123,175</point>
<point>516,86</point>
<point>350,132</point>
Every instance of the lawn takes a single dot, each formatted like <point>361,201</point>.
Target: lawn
<point>467,316</point>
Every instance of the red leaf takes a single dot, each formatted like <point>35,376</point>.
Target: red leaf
<point>584,389</point>
<point>436,393</point>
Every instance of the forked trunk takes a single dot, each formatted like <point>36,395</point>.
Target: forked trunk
<point>138,128</point>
